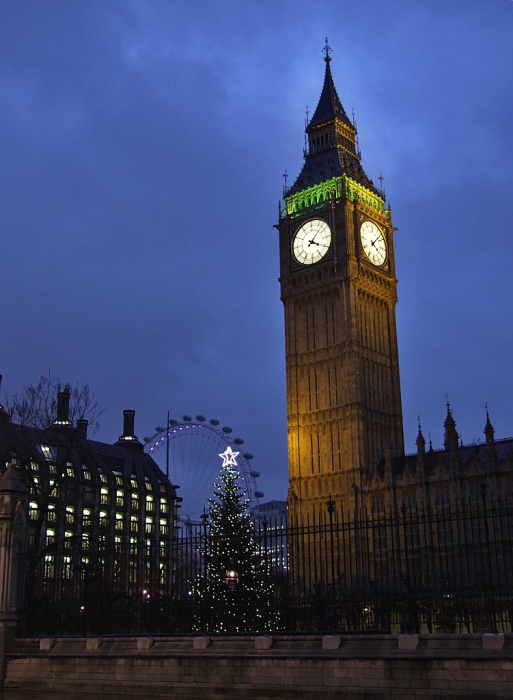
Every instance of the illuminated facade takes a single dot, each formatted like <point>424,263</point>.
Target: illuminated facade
<point>96,511</point>
<point>338,287</point>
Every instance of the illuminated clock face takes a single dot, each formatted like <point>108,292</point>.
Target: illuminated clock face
<point>311,242</point>
<point>373,243</point>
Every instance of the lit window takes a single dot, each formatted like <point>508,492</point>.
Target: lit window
<point>119,521</point>
<point>103,477</point>
<point>67,567</point>
<point>164,506</point>
<point>70,514</point>
<point>68,539</point>
<point>149,525</point>
<point>33,510</point>
<point>119,480</point>
<point>53,469</point>
<point>87,475</point>
<point>134,523</point>
<point>104,496</point>
<point>52,515</point>
<point>49,566</point>
<point>163,526</point>
<point>34,466</point>
<point>149,503</point>
<point>134,483</point>
<point>119,498</point>
<point>70,471</point>
<point>103,514</point>
<point>49,452</point>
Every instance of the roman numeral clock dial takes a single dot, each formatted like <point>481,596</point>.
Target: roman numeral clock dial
<point>373,243</point>
<point>311,242</point>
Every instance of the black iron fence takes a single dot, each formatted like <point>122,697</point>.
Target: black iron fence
<point>445,569</point>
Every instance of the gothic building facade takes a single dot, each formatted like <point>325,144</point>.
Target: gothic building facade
<point>338,287</point>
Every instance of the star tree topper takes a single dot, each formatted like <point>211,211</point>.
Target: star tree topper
<point>229,457</point>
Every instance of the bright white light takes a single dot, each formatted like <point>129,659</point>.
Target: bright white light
<point>228,457</point>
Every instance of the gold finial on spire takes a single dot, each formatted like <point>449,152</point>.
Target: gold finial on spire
<point>327,50</point>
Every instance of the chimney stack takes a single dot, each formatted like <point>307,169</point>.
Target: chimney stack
<point>128,425</point>
<point>82,424</point>
<point>129,439</point>
<point>62,419</point>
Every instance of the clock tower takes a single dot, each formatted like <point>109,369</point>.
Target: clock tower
<point>338,287</point>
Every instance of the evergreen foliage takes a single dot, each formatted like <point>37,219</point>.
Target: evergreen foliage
<point>241,603</point>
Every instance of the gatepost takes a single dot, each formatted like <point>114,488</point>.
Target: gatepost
<point>13,549</point>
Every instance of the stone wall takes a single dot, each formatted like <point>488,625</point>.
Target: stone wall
<point>350,667</point>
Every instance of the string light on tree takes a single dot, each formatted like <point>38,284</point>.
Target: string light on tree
<point>233,583</point>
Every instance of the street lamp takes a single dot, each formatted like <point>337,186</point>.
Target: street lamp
<point>231,577</point>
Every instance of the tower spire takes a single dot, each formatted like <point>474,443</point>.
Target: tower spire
<point>329,106</point>
<point>331,149</point>
<point>451,436</point>
<point>488,429</point>
<point>421,445</point>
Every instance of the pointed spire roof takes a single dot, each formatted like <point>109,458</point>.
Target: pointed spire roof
<point>489,429</point>
<point>420,437</point>
<point>451,436</point>
<point>332,149</point>
<point>330,106</point>
<point>421,443</point>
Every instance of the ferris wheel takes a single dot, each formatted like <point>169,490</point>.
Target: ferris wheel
<point>190,452</point>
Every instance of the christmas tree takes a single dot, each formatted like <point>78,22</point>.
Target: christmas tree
<point>232,593</point>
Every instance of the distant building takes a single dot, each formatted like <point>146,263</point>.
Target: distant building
<point>272,510</point>
<point>272,518</point>
<point>97,512</point>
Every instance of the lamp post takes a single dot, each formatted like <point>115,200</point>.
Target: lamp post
<point>330,504</point>
<point>231,576</point>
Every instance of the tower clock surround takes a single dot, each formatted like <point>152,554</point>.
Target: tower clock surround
<point>311,241</point>
<point>343,393</point>
<point>373,243</point>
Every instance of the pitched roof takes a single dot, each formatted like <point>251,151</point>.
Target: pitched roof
<point>334,158</point>
<point>28,443</point>
<point>324,165</point>
<point>329,105</point>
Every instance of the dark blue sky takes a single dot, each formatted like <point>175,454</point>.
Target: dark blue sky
<point>142,148</point>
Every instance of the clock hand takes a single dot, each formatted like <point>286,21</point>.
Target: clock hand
<point>312,241</point>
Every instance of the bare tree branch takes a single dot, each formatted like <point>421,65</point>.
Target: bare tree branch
<point>36,406</point>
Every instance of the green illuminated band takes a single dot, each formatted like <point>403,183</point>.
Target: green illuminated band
<point>332,189</point>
